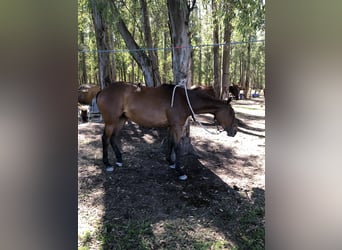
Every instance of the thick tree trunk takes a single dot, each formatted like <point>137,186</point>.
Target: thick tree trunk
<point>179,13</point>
<point>148,39</point>
<point>151,75</point>
<point>226,58</point>
<point>144,62</point>
<point>106,74</point>
<point>216,52</point>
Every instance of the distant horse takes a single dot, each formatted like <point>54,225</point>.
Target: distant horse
<point>86,93</point>
<point>233,89</point>
<point>151,107</point>
<point>206,89</point>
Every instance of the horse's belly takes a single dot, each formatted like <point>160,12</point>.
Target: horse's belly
<point>148,120</point>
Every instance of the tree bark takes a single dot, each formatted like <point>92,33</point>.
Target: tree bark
<point>148,39</point>
<point>216,51</point>
<point>248,68</point>
<point>165,68</point>
<point>83,67</point>
<point>106,73</point>
<point>226,58</point>
<point>179,13</point>
<point>151,75</point>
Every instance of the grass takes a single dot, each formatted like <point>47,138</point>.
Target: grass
<point>85,241</point>
<point>252,233</point>
<point>179,234</point>
<point>132,235</point>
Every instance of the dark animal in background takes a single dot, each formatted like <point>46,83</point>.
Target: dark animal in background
<point>235,91</point>
<point>151,107</point>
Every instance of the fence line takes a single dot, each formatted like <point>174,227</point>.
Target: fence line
<point>176,47</point>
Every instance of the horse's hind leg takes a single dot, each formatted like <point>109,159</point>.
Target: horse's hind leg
<point>170,155</point>
<point>175,134</point>
<point>114,142</point>
<point>107,134</point>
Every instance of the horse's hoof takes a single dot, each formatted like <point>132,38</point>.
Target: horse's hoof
<point>109,168</point>
<point>173,166</point>
<point>119,164</point>
<point>183,177</point>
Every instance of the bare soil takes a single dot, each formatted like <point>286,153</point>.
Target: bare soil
<point>143,205</point>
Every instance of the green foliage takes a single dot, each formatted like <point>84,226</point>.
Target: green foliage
<point>247,18</point>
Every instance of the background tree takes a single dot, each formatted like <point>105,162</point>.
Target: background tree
<point>149,23</point>
<point>145,63</point>
<point>216,50</point>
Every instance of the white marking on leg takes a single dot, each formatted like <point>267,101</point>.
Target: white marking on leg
<point>183,177</point>
<point>109,168</point>
<point>119,164</point>
<point>173,166</point>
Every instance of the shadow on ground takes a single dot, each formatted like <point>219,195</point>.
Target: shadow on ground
<point>147,207</point>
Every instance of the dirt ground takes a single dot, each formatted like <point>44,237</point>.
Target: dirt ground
<point>143,205</point>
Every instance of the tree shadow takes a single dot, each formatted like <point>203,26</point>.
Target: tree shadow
<point>147,207</point>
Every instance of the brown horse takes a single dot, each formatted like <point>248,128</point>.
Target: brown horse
<point>151,107</point>
<point>234,90</point>
<point>86,93</point>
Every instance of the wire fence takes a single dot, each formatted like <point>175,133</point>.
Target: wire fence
<point>170,48</point>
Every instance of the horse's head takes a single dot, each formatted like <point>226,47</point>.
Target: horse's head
<point>225,116</point>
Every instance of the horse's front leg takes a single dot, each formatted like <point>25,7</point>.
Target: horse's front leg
<point>176,134</point>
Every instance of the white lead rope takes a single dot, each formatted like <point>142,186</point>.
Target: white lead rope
<point>182,84</point>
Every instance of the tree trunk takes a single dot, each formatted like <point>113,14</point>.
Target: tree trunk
<point>83,67</point>
<point>148,39</point>
<point>165,58</point>
<point>139,55</point>
<point>242,71</point>
<point>226,58</point>
<point>179,13</point>
<point>216,51</point>
<point>248,68</point>
<point>144,62</point>
<point>106,74</point>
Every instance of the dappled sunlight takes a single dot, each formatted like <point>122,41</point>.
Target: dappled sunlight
<point>181,232</point>
<point>143,204</point>
<point>148,138</point>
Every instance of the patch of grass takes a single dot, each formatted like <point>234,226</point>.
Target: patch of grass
<point>252,229</point>
<point>212,245</point>
<point>83,248</point>
<point>132,235</point>
<point>85,240</point>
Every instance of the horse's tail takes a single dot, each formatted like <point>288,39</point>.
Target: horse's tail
<point>97,94</point>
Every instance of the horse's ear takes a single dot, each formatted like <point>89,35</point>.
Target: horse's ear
<point>229,100</point>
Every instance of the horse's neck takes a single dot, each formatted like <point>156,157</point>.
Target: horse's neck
<point>202,104</point>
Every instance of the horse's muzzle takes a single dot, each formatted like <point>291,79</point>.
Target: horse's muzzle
<point>231,132</point>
